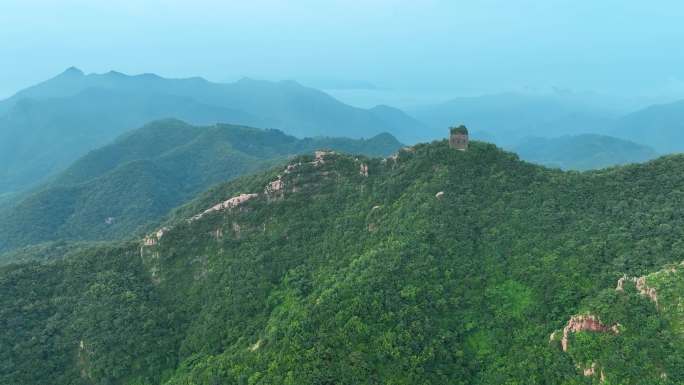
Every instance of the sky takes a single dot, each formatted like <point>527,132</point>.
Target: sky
<point>435,47</point>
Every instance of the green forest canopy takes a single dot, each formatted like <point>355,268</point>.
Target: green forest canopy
<point>342,278</point>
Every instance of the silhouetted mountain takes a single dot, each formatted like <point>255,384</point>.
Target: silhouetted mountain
<point>45,127</point>
<point>41,137</point>
<point>583,152</point>
<point>507,118</point>
<point>660,126</point>
<point>112,191</point>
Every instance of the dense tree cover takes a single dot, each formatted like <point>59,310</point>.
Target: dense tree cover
<point>341,278</point>
<point>117,189</point>
<point>45,251</point>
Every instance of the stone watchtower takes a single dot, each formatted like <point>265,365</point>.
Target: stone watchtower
<point>458,138</point>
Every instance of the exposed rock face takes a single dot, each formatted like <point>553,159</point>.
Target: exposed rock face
<point>641,286</point>
<point>621,283</point>
<point>585,323</point>
<point>320,157</point>
<point>363,169</point>
<point>647,291</point>
<point>439,195</point>
<point>590,371</point>
<point>275,190</point>
<point>218,233</point>
<point>275,186</point>
<point>161,232</point>
<point>154,238</point>
<point>291,168</point>
<point>109,220</point>
<point>228,204</point>
<point>256,346</point>
<point>84,354</point>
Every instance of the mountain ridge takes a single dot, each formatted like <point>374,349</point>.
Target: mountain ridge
<point>432,266</point>
<point>111,192</point>
<point>47,126</point>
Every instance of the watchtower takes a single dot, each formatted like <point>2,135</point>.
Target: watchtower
<point>458,138</point>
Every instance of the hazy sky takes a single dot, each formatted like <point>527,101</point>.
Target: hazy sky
<point>454,46</point>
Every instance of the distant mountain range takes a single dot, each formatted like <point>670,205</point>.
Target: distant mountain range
<point>113,191</point>
<point>583,152</point>
<point>45,127</point>
<point>510,119</point>
<point>660,126</point>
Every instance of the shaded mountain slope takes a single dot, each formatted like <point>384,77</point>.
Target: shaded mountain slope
<point>39,138</point>
<point>47,126</point>
<point>112,191</point>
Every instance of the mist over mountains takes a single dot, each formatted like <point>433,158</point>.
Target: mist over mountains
<point>47,126</point>
<point>125,199</point>
<point>116,190</point>
<point>382,192</point>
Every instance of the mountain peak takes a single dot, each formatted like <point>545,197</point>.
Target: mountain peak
<point>113,73</point>
<point>72,71</point>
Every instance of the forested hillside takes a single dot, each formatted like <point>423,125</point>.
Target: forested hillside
<point>47,126</point>
<point>114,191</point>
<point>433,267</point>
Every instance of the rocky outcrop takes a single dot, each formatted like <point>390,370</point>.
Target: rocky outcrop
<point>592,371</point>
<point>319,157</point>
<point>275,186</point>
<point>641,285</point>
<point>646,291</point>
<point>153,239</point>
<point>584,323</point>
<point>439,195</point>
<point>395,157</point>
<point>363,169</point>
<point>256,346</point>
<point>275,190</point>
<point>225,205</point>
<point>218,233</point>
